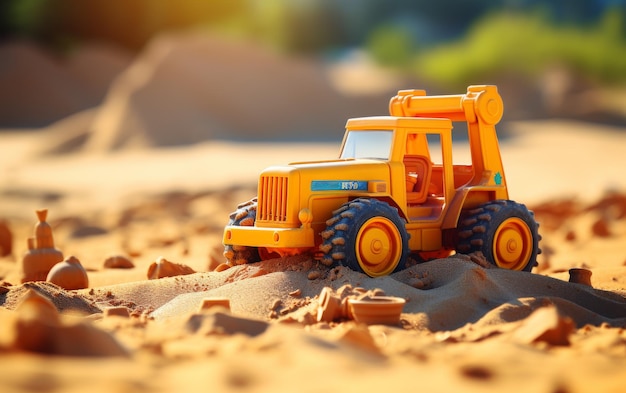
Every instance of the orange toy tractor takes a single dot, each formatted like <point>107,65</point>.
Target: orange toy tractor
<point>394,191</point>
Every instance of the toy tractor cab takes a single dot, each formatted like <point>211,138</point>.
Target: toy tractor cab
<point>393,192</point>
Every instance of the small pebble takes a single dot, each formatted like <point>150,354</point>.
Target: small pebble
<point>276,304</point>
<point>209,303</point>
<point>296,293</point>
<point>164,268</point>
<point>119,311</point>
<point>118,262</point>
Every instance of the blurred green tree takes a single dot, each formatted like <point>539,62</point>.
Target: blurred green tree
<point>526,44</point>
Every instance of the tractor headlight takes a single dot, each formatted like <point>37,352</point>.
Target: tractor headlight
<point>305,216</point>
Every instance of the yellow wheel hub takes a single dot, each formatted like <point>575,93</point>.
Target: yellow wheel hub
<point>378,246</point>
<point>512,244</point>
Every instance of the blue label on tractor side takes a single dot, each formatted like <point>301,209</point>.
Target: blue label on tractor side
<point>338,185</point>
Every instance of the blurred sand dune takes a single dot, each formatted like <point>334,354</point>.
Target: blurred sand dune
<point>39,87</point>
<point>186,88</point>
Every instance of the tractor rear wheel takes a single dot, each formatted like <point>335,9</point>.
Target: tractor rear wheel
<point>366,235</point>
<point>245,215</point>
<point>504,231</point>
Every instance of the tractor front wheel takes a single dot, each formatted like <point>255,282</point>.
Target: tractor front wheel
<point>366,235</point>
<point>245,215</point>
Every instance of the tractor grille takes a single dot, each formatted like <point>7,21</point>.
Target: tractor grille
<point>272,199</point>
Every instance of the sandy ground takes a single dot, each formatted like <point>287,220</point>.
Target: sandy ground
<point>464,326</point>
<point>469,328</point>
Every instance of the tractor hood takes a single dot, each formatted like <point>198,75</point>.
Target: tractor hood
<point>285,190</point>
<point>333,175</point>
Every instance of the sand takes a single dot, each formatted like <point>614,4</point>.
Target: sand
<point>464,327</point>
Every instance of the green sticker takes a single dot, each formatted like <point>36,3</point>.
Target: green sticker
<point>498,178</point>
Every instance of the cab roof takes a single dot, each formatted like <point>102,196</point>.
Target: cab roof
<point>389,122</point>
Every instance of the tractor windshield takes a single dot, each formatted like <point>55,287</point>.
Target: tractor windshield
<point>367,144</point>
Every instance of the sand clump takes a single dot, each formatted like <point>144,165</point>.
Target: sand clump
<point>41,255</point>
<point>118,262</point>
<point>335,305</point>
<point>69,274</point>
<point>545,325</point>
<point>38,327</point>
<point>164,268</point>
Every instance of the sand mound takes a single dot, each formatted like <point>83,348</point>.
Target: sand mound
<point>191,87</point>
<point>65,301</point>
<point>461,292</point>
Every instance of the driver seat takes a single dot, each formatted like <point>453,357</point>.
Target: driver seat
<point>418,170</point>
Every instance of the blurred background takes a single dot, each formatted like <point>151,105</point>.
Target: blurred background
<point>109,74</point>
<point>152,112</point>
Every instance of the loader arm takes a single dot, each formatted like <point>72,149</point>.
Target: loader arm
<point>481,107</point>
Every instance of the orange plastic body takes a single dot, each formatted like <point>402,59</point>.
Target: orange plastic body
<point>295,201</point>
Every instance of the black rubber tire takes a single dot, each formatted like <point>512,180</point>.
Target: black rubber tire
<point>351,222</point>
<point>504,231</point>
<point>245,215</point>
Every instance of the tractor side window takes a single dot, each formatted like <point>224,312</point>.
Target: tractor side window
<point>367,144</point>
<point>436,186</point>
<point>417,144</point>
